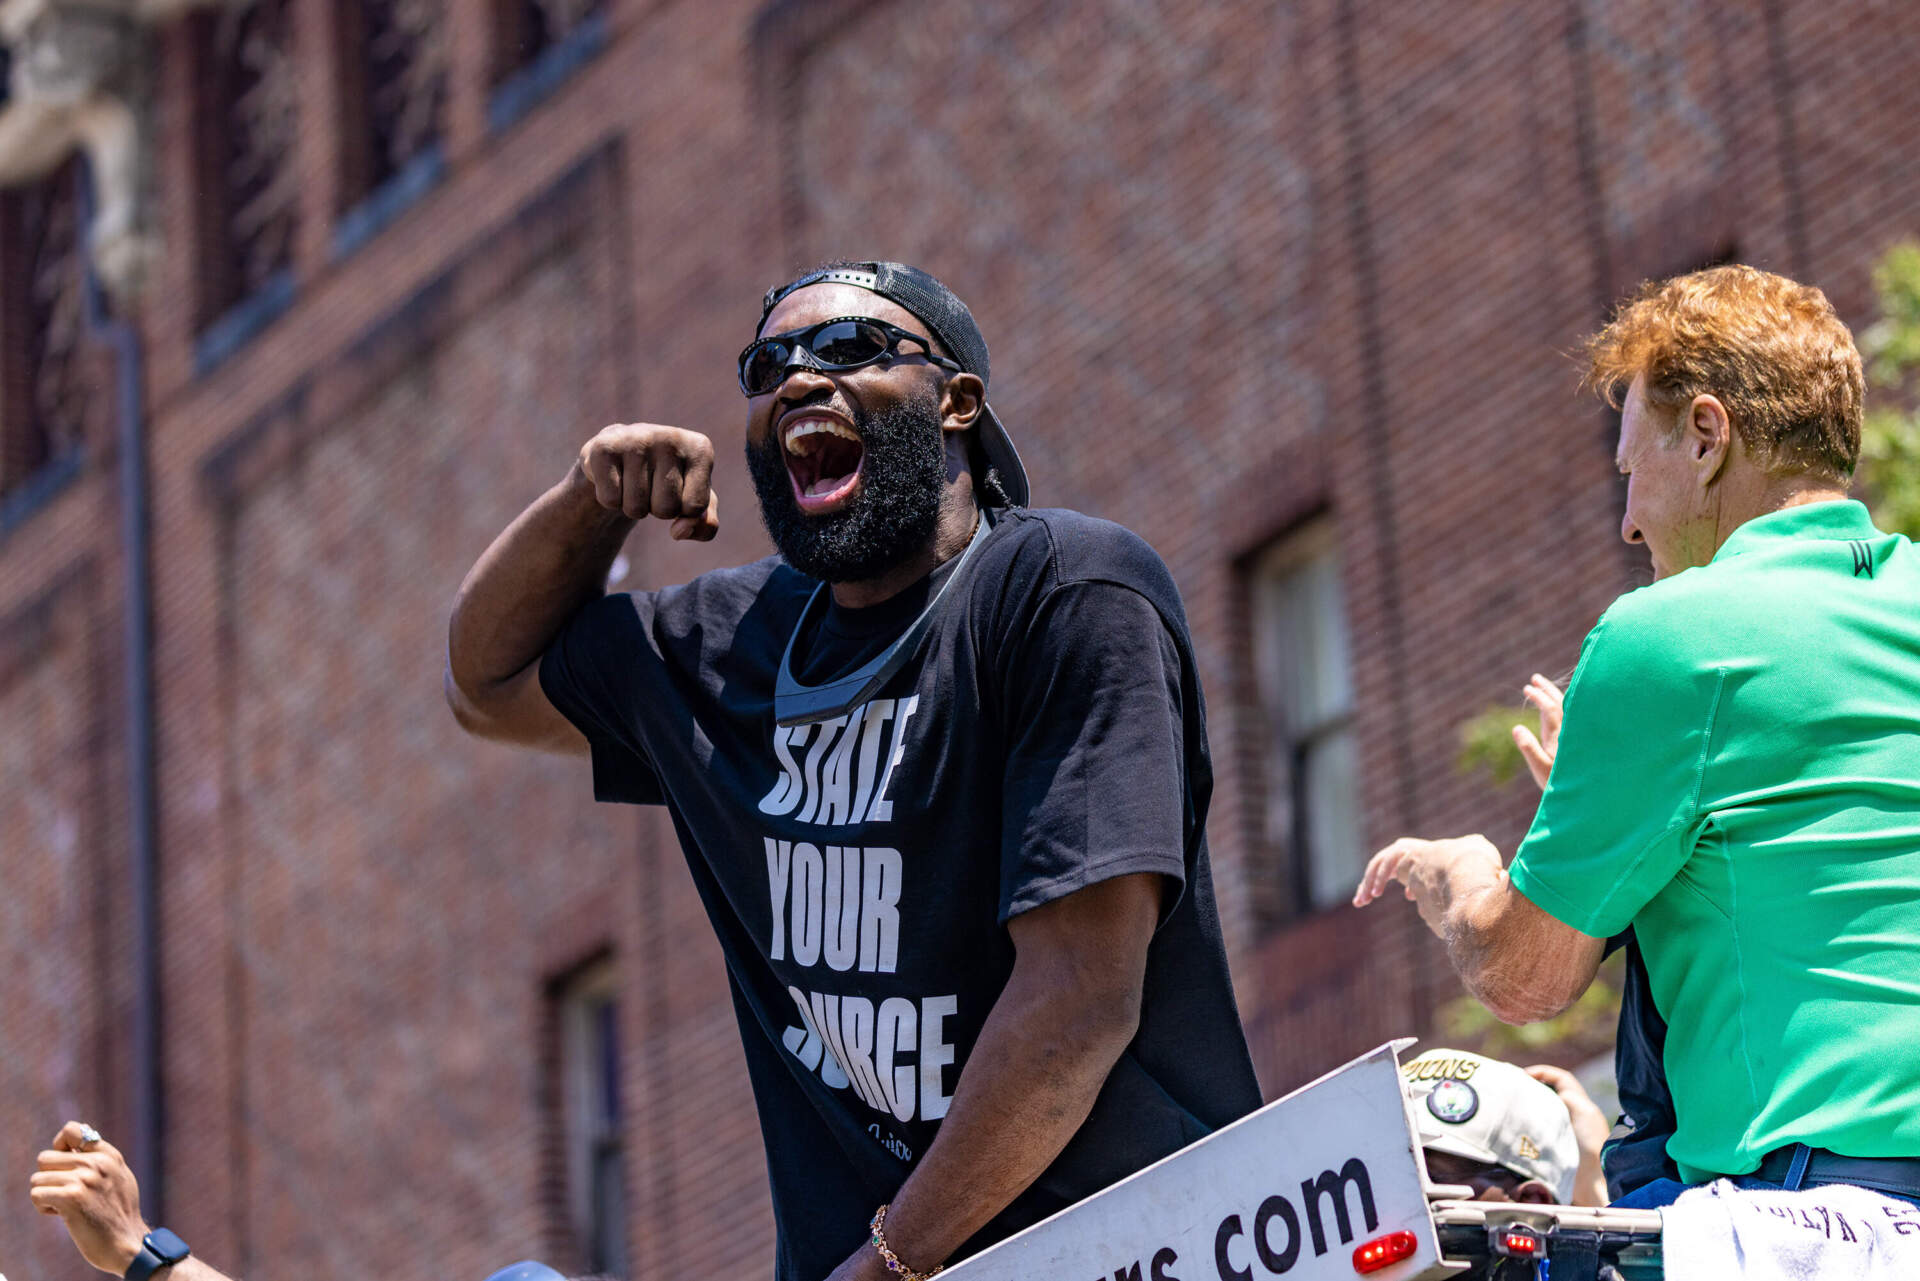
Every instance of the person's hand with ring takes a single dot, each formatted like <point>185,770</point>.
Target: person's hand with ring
<point>84,1179</point>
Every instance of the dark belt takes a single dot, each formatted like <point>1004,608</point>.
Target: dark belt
<point>1883,1174</point>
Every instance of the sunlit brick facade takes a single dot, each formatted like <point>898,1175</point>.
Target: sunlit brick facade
<point>1242,268</point>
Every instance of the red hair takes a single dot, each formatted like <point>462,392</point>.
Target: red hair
<point>1771,350</point>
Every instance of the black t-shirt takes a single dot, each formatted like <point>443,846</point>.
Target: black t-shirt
<point>860,872</point>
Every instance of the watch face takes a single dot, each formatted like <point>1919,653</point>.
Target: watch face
<point>167,1244</point>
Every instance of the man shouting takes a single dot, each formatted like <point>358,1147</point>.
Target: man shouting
<point>940,771</point>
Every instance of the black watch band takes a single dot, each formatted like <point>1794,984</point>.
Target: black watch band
<point>160,1248</point>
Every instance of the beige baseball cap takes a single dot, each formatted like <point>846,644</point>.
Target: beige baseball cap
<point>1487,1110</point>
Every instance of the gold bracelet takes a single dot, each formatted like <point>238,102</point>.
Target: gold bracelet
<point>891,1259</point>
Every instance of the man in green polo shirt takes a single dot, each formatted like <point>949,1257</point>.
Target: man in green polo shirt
<point>1738,773</point>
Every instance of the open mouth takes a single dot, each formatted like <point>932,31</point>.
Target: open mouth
<point>823,459</point>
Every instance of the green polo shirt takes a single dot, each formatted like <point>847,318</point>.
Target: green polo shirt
<point>1739,779</point>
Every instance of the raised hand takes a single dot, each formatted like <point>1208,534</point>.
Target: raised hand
<point>648,469</point>
<point>1538,752</point>
<point>84,1179</point>
<point>1424,869</point>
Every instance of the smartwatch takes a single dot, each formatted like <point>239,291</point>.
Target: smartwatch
<point>160,1248</point>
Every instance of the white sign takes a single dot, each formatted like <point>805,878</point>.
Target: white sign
<point>1291,1191</point>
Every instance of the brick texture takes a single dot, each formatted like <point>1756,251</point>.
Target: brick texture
<point>1239,266</point>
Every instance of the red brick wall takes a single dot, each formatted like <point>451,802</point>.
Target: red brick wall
<point>1236,266</point>
<point>65,977</point>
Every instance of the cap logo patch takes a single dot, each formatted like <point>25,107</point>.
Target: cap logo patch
<point>1454,1102</point>
<point>1528,1150</point>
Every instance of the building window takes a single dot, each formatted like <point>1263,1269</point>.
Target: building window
<point>590,1117</point>
<point>1303,671</point>
<point>249,131</point>
<point>538,44</point>
<point>404,47</point>
<point>394,70</point>
<point>529,28</point>
<point>44,397</point>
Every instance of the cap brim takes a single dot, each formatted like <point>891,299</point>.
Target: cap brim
<point>998,447</point>
<point>1454,1145</point>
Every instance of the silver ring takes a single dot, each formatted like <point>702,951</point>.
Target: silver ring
<point>88,1136</point>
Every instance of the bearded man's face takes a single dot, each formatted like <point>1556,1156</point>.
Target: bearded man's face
<point>850,466</point>
<point>891,515</point>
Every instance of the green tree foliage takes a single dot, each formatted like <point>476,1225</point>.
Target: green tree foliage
<point>1486,742</point>
<point>1890,438</point>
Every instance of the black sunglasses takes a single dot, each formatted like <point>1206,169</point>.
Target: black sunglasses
<point>845,342</point>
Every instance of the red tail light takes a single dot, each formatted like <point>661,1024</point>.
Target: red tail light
<point>1522,1243</point>
<point>1381,1251</point>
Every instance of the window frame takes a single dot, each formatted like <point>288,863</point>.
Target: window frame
<point>589,1121</point>
<point>1285,746</point>
<point>37,458</point>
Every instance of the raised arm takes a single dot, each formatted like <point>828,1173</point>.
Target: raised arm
<point>84,1179</point>
<point>552,561</point>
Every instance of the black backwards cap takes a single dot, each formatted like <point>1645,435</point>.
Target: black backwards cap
<point>948,320</point>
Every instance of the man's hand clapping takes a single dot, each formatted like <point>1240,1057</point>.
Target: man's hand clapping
<point>1538,752</point>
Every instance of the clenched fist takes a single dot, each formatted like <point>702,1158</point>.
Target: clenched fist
<point>647,469</point>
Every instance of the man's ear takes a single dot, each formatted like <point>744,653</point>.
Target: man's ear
<point>961,402</point>
<point>1534,1192</point>
<point>1707,433</point>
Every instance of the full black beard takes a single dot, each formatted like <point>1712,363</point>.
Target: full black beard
<point>892,518</point>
